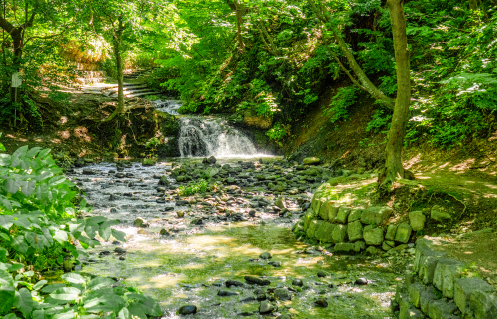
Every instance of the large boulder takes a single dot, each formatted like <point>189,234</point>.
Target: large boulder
<point>403,233</point>
<point>438,214</point>
<point>342,215</point>
<point>339,233</point>
<point>417,220</point>
<point>148,162</point>
<point>311,161</point>
<point>325,232</point>
<point>373,235</point>
<point>313,226</point>
<point>354,231</point>
<point>376,215</point>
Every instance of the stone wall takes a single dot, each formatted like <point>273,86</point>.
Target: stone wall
<point>355,229</point>
<point>434,288</point>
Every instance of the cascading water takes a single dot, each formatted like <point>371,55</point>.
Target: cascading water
<point>211,137</point>
<point>201,136</point>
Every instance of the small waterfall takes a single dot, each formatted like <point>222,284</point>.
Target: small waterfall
<point>168,106</point>
<point>211,137</point>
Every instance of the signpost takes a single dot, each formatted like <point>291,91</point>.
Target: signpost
<point>16,82</point>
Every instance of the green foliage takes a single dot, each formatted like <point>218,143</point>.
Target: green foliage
<point>200,186</point>
<point>338,108</point>
<point>77,297</point>
<point>277,133</point>
<point>37,212</point>
<point>381,119</point>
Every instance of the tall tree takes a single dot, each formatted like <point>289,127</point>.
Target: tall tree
<point>393,154</point>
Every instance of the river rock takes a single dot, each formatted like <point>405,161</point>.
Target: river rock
<point>311,161</point>
<point>376,215</point>
<point>284,316</point>
<point>282,294</point>
<point>266,307</point>
<point>226,293</point>
<point>361,281</point>
<point>355,214</point>
<point>164,232</point>
<point>148,162</point>
<point>163,181</point>
<point>373,235</point>
<point>187,310</point>
<point>417,220</point>
<point>280,202</point>
<point>298,282</point>
<point>257,281</point>
<point>322,274</point>
<point>140,222</point>
<point>342,215</point>
<point>345,248</point>
<point>235,283</point>
<point>266,255</point>
<point>322,303</point>
<point>354,231</point>
<point>275,264</point>
<point>403,233</point>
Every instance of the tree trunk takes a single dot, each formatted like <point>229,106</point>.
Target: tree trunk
<point>473,4</point>
<point>15,93</point>
<point>393,166</point>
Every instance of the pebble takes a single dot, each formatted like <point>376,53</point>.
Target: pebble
<point>187,310</point>
<point>266,255</point>
<point>361,281</point>
<point>226,293</point>
<point>322,274</point>
<point>298,282</point>
<point>257,281</point>
<point>266,307</point>
<point>321,302</point>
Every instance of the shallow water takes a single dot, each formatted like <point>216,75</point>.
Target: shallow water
<point>190,266</point>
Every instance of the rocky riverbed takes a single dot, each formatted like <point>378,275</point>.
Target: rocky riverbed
<point>228,252</point>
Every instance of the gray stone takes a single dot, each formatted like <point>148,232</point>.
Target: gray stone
<point>376,215</point>
<point>354,231</point>
<point>463,287</point>
<point>415,291</point>
<point>483,305</point>
<point>355,214</point>
<point>403,233</point>
<point>446,271</point>
<point>359,246</point>
<point>408,311</point>
<point>282,294</point>
<point>391,231</point>
<point>386,246</point>
<point>339,233</point>
<point>329,210</point>
<point>342,215</point>
<point>417,220</point>
<point>426,298</point>
<point>347,248</point>
<point>441,309</point>
<point>266,255</point>
<point>140,222</point>
<point>311,161</point>
<point>373,235</point>
<point>438,214</point>
<point>313,226</point>
<point>323,210</point>
<point>325,232</point>
<point>427,268</point>
<point>266,307</point>
<point>187,310</point>
<point>211,171</point>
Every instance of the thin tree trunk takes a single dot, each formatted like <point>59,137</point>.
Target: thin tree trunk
<point>393,166</point>
<point>473,4</point>
<point>240,12</point>
<point>120,81</point>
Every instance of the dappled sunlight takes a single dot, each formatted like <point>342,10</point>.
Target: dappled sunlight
<point>64,134</point>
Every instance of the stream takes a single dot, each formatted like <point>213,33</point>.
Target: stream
<point>197,250</point>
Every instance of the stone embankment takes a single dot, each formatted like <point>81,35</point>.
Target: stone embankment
<point>435,287</point>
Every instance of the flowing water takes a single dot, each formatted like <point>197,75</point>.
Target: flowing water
<point>190,266</point>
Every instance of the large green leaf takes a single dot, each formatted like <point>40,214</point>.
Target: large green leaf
<point>43,153</point>
<point>36,241</point>
<point>22,221</point>
<point>32,152</point>
<point>51,288</point>
<point>6,221</point>
<point>28,187</point>
<point>39,314</point>
<point>100,282</point>
<point>11,185</point>
<point>105,303</point>
<point>56,180</point>
<point>20,152</point>
<point>7,296</point>
<point>40,284</point>
<point>65,294</point>
<point>124,314</point>
<point>20,244</point>
<point>119,235</point>
<point>24,301</point>
<point>5,160</point>
<point>65,315</point>
<point>60,235</point>
<point>73,278</point>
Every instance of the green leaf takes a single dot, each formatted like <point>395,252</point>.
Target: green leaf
<point>19,244</point>
<point>39,314</point>
<point>73,278</point>
<point>28,187</point>
<point>60,236</point>
<point>11,185</point>
<point>137,310</point>
<point>32,152</point>
<point>24,302</point>
<point>119,235</point>
<point>70,210</point>
<point>56,180</point>
<point>37,241</point>
<point>65,294</point>
<point>10,316</point>
<point>43,153</point>
<point>100,282</point>
<point>5,237</point>
<point>6,221</point>
<point>65,315</point>
<point>20,152</point>
<point>2,148</point>
<point>124,314</point>
<point>40,284</point>
<point>51,288</point>
<point>7,296</point>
